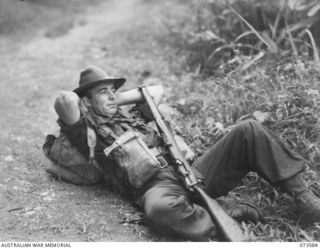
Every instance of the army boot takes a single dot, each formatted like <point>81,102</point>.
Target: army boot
<point>308,205</point>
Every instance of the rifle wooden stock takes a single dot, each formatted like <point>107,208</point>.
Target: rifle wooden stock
<point>229,228</point>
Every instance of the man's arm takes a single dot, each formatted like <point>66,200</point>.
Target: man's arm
<point>134,96</point>
<point>67,107</point>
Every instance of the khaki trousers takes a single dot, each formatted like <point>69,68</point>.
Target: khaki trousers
<point>247,147</point>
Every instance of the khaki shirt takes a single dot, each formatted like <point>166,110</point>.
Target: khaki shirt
<point>117,125</point>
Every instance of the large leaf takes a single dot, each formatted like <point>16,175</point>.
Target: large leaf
<point>314,47</point>
<point>270,46</point>
<point>314,10</point>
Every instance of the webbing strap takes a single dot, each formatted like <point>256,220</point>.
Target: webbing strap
<point>92,142</point>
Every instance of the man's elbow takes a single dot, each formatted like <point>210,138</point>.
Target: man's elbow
<point>66,106</point>
<point>66,99</point>
<point>156,92</point>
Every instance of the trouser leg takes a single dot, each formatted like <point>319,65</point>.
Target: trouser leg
<point>169,210</point>
<point>247,147</point>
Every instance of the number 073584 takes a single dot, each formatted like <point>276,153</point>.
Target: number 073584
<point>308,244</point>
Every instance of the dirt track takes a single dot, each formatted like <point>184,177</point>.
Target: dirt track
<point>34,206</point>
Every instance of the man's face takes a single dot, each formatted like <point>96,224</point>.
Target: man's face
<point>102,99</point>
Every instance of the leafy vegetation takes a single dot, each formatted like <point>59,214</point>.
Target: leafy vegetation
<point>253,59</point>
<point>215,31</point>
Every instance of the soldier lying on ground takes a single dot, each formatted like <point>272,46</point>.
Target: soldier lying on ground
<point>90,117</point>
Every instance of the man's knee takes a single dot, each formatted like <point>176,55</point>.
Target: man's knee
<point>156,209</point>
<point>163,208</point>
<point>249,126</point>
<point>173,213</point>
<point>249,123</point>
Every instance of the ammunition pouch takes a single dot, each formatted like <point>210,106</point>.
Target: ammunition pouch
<point>135,158</point>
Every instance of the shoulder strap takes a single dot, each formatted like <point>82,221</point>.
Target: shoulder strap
<point>92,142</point>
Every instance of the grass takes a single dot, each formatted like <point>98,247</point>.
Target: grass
<point>281,92</point>
<point>291,112</point>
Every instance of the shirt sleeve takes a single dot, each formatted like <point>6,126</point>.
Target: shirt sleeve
<point>77,133</point>
<point>144,110</point>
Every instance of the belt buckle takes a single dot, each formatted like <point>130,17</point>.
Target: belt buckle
<point>162,161</point>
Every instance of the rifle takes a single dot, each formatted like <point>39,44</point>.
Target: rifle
<point>230,229</point>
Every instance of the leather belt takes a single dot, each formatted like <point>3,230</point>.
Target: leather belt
<point>162,158</point>
<point>163,162</point>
